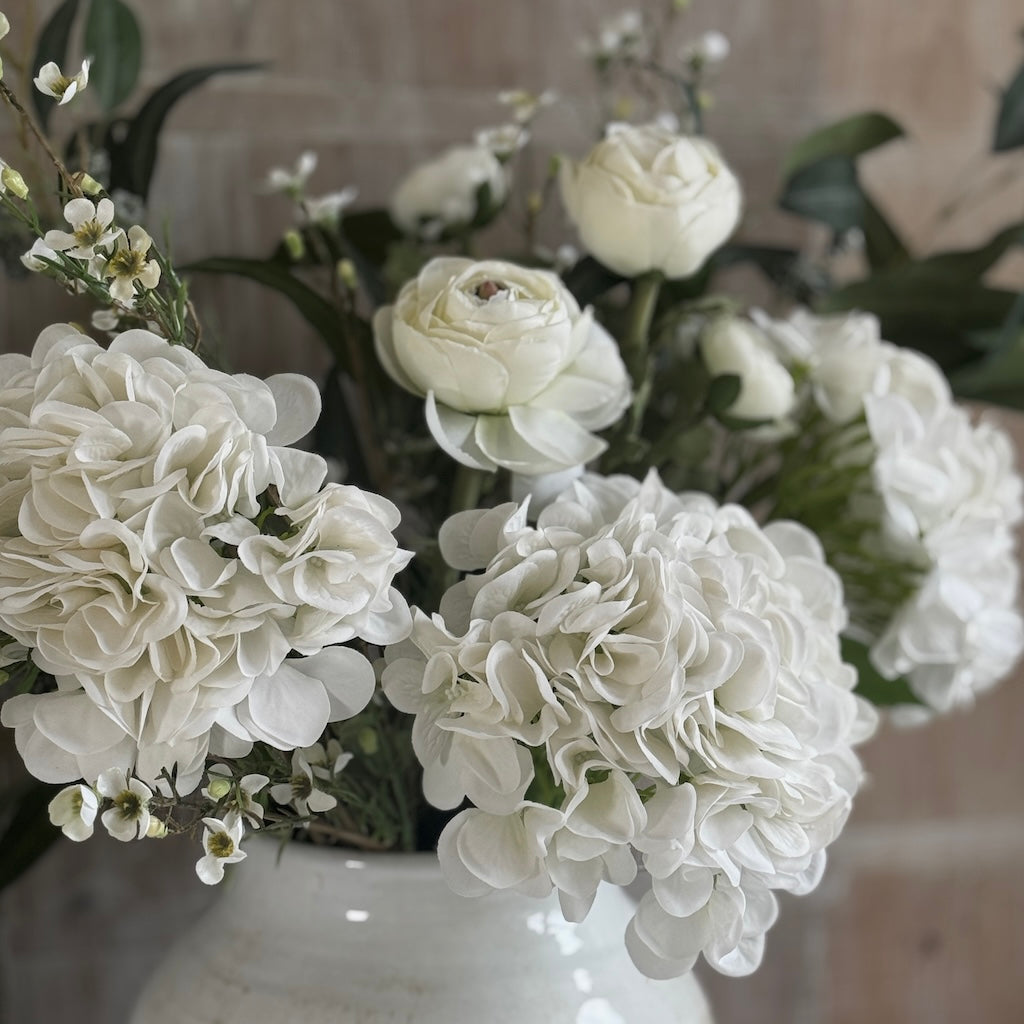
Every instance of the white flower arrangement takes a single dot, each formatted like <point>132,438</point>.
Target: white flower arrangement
<point>645,538</point>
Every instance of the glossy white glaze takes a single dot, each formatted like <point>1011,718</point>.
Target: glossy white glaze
<point>336,937</point>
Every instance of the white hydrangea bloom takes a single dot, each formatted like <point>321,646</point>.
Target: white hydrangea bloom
<point>514,373</point>
<point>947,496</point>
<point>675,671</point>
<point>130,477</point>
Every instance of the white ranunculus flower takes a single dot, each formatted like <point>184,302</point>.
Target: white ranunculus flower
<point>514,373</point>
<point>733,346</point>
<point>668,673</point>
<point>445,191</point>
<point>940,499</point>
<point>647,199</point>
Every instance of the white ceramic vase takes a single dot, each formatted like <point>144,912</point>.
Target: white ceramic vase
<point>329,936</point>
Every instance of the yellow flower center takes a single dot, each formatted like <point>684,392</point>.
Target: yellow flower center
<point>88,233</point>
<point>128,263</point>
<point>302,786</point>
<point>128,804</point>
<point>221,844</point>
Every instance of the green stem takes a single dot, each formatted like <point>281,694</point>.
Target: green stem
<point>636,342</point>
<point>466,488</point>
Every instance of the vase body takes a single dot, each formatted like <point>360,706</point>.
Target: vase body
<point>328,936</point>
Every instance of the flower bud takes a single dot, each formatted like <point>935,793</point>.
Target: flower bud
<point>294,243</point>
<point>368,742</point>
<point>157,829</point>
<point>219,788</point>
<point>89,185</point>
<point>346,271</point>
<point>13,182</point>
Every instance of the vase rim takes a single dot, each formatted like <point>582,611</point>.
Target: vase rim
<point>420,862</point>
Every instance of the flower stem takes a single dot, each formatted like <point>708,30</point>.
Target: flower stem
<point>636,340</point>
<point>466,488</point>
<point>69,182</point>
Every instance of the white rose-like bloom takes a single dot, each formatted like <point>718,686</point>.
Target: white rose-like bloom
<point>129,477</point>
<point>648,199</point>
<point>514,373</point>
<point>946,498</point>
<point>444,191</point>
<point>675,670</point>
<point>733,346</point>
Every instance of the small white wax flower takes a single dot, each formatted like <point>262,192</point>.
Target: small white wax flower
<point>242,802</point>
<point>73,810</point>
<point>300,790</point>
<point>525,104</point>
<point>92,228</point>
<point>502,140</point>
<point>326,210</point>
<point>34,258</point>
<point>5,25</point>
<point>103,319</point>
<point>129,817</point>
<point>128,264</point>
<point>221,841</point>
<point>293,182</point>
<point>53,82</point>
<point>711,48</point>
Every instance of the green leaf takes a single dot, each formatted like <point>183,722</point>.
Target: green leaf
<point>113,39</point>
<point>25,829</point>
<point>316,310</point>
<point>884,246</point>
<point>975,262</point>
<point>723,391</point>
<point>999,378</point>
<point>589,280</point>
<point>52,46</point>
<point>927,309</point>
<point>775,262</point>
<point>847,138</point>
<point>134,158</point>
<point>367,237</point>
<point>826,191</point>
<point>1010,119</point>
<point>870,683</point>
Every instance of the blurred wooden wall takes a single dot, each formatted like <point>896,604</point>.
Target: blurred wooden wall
<point>921,918</point>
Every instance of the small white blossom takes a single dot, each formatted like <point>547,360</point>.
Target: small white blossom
<point>51,81</point>
<point>129,817</point>
<point>107,320</point>
<point>242,803</point>
<point>128,264</point>
<point>300,791</point>
<point>711,48</point>
<point>326,210</point>
<point>5,25</point>
<point>525,104</point>
<point>621,36</point>
<point>92,228</point>
<point>503,140</point>
<point>40,251</point>
<point>292,182</point>
<point>221,843</point>
<point>74,809</point>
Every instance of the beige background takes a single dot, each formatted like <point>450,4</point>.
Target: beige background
<point>921,917</point>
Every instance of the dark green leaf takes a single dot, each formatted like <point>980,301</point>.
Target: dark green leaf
<point>848,138</point>
<point>114,41</point>
<point>336,435</point>
<point>1010,119</point>
<point>776,262</point>
<point>975,262</point>
<point>826,191</point>
<point>52,46</point>
<point>723,391</point>
<point>371,232</point>
<point>589,280</point>
<point>926,309</point>
<point>316,310</point>
<point>884,247</point>
<point>25,829</point>
<point>999,378</point>
<point>134,157</point>
<point>870,684</point>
